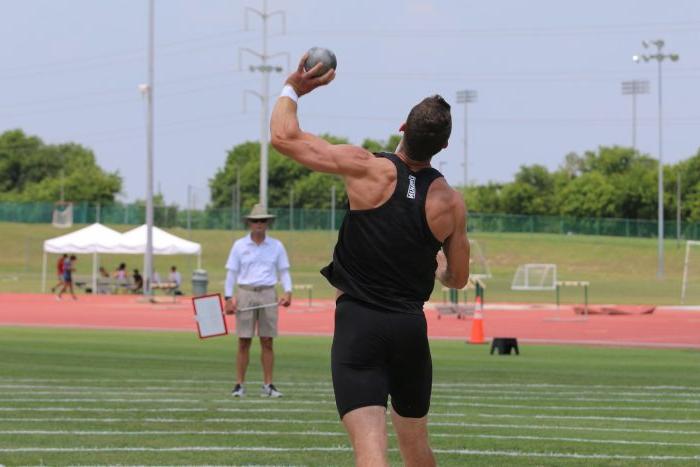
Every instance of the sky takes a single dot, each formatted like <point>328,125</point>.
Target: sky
<point>547,73</point>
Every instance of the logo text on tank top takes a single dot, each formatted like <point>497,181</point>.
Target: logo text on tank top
<point>411,187</point>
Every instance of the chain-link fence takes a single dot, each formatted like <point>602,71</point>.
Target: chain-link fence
<point>325,219</point>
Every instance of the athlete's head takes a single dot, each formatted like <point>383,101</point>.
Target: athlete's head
<point>427,128</point>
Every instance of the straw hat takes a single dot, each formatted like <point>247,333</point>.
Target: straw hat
<point>259,212</point>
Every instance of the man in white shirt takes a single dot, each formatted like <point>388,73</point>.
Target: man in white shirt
<point>255,264</point>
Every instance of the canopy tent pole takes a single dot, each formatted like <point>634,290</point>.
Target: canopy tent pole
<point>43,275</point>
<point>94,273</point>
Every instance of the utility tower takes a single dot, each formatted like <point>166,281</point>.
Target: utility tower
<point>265,69</point>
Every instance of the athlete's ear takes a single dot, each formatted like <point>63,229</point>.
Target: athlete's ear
<point>402,128</point>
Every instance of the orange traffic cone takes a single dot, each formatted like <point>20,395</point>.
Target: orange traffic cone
<point>477,335</point>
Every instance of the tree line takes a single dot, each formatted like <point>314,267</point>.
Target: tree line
<point>611,181</point>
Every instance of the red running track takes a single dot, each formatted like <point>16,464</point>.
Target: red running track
<point>666,327</point>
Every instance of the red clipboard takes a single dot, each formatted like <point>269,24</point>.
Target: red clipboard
<point>209,316</point>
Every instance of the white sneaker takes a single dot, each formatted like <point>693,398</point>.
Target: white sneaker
<point>269,390</point>
<point>238,391</point>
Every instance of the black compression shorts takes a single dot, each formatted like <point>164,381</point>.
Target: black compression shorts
<point>377,353</point>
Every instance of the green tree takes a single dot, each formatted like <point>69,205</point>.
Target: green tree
<point>311,190</point>
<point>33,171</point>
<point>531,192</point>
<point>590,195</point>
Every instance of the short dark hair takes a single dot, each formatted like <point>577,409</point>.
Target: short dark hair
<point>428,128</point>
<point>72,257</point>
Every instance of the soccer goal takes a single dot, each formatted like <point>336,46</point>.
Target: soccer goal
<point>62,215</point>
<point>535,277</point>
<point>691,274</point>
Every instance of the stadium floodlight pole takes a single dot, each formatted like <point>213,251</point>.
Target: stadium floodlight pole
<point>659,57</point>
<point>632,88</point>
<point>147,91</point>
<point>466,97</point>
<point>264,95</point>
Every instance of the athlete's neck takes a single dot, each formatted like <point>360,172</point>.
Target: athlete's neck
<point>413,165</point>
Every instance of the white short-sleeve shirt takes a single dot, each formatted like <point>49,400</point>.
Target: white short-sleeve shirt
<point>257,265</point>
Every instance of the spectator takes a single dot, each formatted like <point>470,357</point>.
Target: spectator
<point>68,269</point>
<point>59,272</point>
<point>121,274</point>
<point>138,282</point>
<point>175,276</point>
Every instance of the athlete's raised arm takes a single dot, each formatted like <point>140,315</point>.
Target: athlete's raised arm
<point>307,149</point>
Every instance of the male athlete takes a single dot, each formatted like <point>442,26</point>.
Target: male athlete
<point>401,214</point>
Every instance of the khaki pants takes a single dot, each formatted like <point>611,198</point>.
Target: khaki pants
<point>266,318</point>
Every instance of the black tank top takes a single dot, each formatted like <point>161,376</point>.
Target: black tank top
<point>386,256</point>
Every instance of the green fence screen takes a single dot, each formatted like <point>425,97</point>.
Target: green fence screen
<point>324,219</point>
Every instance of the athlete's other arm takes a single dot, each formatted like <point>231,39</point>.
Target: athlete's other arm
<point>453,260</point>
<point>307,149</point>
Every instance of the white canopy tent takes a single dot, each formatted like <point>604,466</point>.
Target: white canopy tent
<point>97,238</point>
<point>93,239</point>
<point>134,241</point>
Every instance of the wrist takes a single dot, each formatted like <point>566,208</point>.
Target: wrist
<point>289,91</point>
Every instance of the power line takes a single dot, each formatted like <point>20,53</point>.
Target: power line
<point>686,26</point>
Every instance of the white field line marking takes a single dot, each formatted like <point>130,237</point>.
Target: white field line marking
<point>470,452</point>
<point>77,383</point>
<point>306,410</point>
<point>189,421</point>
<point>96,409</point>
<point>435,399</point>
<point>564,455</point>
<point>474,393</point>
<point>559,407</point>
<point>592,417</point>
<point>137,401</point>
<point>332,434</point>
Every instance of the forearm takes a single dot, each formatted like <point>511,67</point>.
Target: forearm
<point>284,124</point>
<point>286,280</point>
<point>230,282</point>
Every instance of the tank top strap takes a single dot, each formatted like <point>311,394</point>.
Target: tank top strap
<point>408,183</point>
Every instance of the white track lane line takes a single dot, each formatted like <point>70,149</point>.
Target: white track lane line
<point>189,421</point>
<point>78,383</point>
<point>441,393</point>
<point>306,410</point>
<point>592,417</point>
<point>468,452</point>
<point>445,400</point>
<point>334,434</point>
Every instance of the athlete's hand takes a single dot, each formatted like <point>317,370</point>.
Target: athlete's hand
<point>441,264</point>
<point>304,81</point>
<point>286,299</point>
<point>230,307</point>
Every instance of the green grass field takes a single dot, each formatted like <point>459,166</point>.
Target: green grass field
<point>77,397</point>
<point>621,270</point>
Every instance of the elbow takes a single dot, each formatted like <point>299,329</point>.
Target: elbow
<point>281,138</point>
<point>277,140</point>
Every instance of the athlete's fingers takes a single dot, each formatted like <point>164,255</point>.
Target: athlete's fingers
<point>313,71</point>
<point>300,68</point>
<point>325,78</point>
